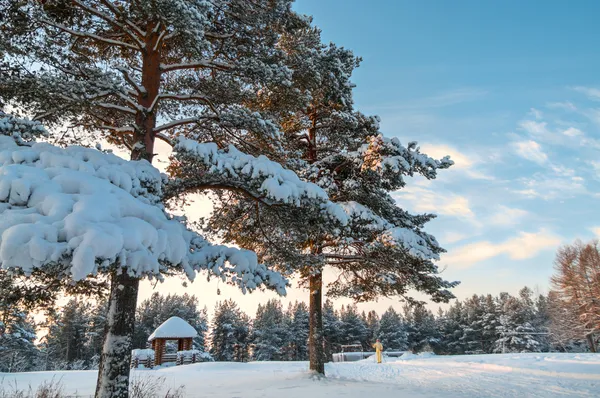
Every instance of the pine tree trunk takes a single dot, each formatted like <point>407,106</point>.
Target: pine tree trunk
<point>113,373</point>
<point>591,343</point>
<point>315,333</point>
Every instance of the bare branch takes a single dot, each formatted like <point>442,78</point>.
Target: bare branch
<point>197,65</point>
<point>91,36</point>
<point>110,20</point>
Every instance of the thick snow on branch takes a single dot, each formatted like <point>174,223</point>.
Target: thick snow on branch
<point>384,154</point>
<point>268,179</point>
<point>90,212</point>
<point>21,130</point>
<point>418,243</point>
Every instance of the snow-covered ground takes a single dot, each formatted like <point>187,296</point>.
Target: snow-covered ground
<point>507,375</point>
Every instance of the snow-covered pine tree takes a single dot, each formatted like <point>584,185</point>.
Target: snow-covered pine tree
<point>270,332</point>
<point>17,329</point>
<point>95,334</point>
<point>490,324</point>
<point>353,327</point>
<point>298,332</point>
<point>451,327</point>
<point>66,337</point>
<point>135,72</point>
<point>373,326</point>
<point>229,334</point>
<point>472,337</point>
<point>152,312</point>
<point>392,331</point>
<point>380,249</point>
<point>516,329</point>
<point>332,330</point>
<point>421,328</point>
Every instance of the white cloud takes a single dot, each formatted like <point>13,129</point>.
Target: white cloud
<point>536,113</point>
<point>590,92</point>
<point>596,231</point>
<point>573,132</point>
<point>530,150</point>
<point>523,246</point>
<point>463,163</point>
<point>567,106</point>
<point>595,165</point>
<point>424,200</point>
<point>453,237</point>
<point>506,216</point>
<point>552,187</point>
<point>535,128</point>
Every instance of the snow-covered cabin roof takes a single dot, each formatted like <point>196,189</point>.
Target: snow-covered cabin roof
<point>174,328</point>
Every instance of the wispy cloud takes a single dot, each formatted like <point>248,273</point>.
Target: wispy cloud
<point>463,163</point>
<point>530,150</point>
<point>536,113</point>
<point>507,216</point>
<point>523,246</point>
<point>453,237</point>
<point>428,201</point>
<point>550,187</point>
<point>573,132</point>
<point>441,100</point>
<point>596,231</point>
<point>566,106</point>
<point>592,93</point>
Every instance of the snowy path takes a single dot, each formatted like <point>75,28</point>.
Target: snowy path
<point>510,375</point>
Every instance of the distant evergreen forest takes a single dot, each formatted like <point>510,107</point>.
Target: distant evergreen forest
<point>71,335</point>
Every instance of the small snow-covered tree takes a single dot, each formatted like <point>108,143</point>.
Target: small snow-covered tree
<point>373,324</point>
<point>17,329</point>
<point>67,331</point>
<point>353,327</point>
<point>332,330</point>
<point>392,331</point>
<point>229,334</point>
<point>269,332</point>
<point>298,331</point>
<point>516,324</point>
<point>421,328</point>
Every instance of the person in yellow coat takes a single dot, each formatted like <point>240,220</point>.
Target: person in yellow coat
<point>378,348</point>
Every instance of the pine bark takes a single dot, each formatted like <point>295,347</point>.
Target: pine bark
<point>316,341</point>
<point>113,374</point>
<point>315,334</point>
<point>591,343</point>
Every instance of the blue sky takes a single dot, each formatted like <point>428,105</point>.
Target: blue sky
<point>509,89</point>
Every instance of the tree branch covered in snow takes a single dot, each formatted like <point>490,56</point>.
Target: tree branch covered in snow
<point>87,212</point>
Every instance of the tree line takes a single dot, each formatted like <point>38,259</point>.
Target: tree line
<point>566,319</point>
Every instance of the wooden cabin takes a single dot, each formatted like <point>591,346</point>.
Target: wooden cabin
<point>173,329</point>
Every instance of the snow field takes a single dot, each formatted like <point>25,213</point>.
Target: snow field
<point>504,375</point>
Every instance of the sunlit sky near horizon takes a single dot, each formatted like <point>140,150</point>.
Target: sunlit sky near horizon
<point>511,91</point>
